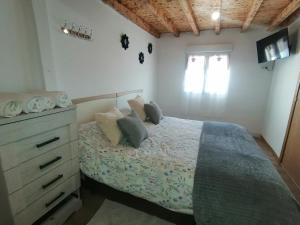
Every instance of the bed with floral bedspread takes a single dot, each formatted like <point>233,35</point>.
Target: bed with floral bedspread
<point>161,170</point>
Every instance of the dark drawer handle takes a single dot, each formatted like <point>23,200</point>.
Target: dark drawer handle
<point>47,142</point>
<point>52,181</point>
<point>50,162</point>
<point>54,200</point>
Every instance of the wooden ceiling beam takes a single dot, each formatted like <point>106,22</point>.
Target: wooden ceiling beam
<point>252,13</point>
<point>162,16</point>
<point>132,17</point>
<point>218,22</point>
<point>291,19</point>
<point>291,7</point>
<point>188,11</point>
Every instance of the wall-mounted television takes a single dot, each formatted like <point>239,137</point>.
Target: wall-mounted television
<point>273,47</point>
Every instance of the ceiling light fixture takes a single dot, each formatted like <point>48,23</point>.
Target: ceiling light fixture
<point>215,15</point>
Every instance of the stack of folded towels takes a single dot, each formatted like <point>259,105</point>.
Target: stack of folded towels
<point>13,104</point>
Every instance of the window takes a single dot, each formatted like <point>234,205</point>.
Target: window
<point>207,74</point>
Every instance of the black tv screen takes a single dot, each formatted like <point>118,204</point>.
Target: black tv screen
<point>273,47</point>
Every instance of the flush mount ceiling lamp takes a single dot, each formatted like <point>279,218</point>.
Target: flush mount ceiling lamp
<point>215,15</point>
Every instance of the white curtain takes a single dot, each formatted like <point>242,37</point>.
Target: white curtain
<point>205,88</point>
<point>194,75</point>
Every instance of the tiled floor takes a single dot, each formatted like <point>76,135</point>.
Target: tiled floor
<point>93,197</point>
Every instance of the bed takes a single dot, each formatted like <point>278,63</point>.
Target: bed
<point>229,176</point>
<point>161,170</point>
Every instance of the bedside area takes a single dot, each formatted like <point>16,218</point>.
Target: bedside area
<point>39,167</point>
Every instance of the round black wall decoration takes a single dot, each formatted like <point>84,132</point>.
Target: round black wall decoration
<point>141,57</point>
<point>150,48</point>
<point>124,41</point>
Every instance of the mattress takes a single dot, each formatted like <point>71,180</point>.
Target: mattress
<point>161,170</point>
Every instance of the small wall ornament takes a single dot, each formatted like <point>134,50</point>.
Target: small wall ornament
<point>78,31</point>
<point>141,57</point>
<point>150,48</point>
<point>124,41</point>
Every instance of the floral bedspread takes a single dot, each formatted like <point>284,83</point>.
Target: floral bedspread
<point>161,170</point>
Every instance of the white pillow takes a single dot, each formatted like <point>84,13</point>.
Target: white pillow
<point>108,123</point>
<point>137,104</point>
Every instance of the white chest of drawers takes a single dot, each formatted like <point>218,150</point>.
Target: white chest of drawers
<point>39,167</point>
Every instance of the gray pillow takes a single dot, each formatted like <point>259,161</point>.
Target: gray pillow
<point>158,108</point>
<point>153,112</point>
<point>133,129</point>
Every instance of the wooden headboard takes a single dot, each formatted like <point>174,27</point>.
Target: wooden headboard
<point>88,106</point>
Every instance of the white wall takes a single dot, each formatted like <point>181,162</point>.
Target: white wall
<point>20,66</point>
<point>283,87</point>
<point>87,68</point>
<point>249,83</point>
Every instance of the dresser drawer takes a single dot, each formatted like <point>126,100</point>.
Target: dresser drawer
<point>25,173</point>
<point>47,202</point>
<point>33,191</point>
<point>23,150</point>
<point>13,132</point>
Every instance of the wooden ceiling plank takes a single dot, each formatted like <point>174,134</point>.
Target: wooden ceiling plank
<point>291,7</point>
<point>132,17</point>
<point>188,11</point>
<point>252,13</point>
<point>162,16</point>
<point>218,22</point>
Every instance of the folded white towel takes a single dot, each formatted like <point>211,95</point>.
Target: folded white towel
<point>9,106</point>
<point>60,98</point>
<point>12,104</point>
<point>34,103</point>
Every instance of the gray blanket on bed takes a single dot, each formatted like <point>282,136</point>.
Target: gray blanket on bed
<point>236,184</point>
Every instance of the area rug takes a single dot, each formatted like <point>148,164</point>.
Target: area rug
<point>113,213</point>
